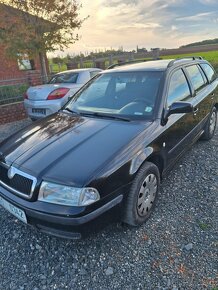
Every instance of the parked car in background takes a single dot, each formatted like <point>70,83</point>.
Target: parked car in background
<point>41,101</point>
<point>103,155</point>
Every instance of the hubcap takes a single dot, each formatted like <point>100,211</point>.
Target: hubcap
<point>212,122</point>
<point>147,194</point>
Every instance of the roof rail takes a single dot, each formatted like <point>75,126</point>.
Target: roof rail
<point>171,63</point>
<point>129,62</point>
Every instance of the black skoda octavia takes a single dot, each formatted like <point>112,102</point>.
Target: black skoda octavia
<point>101,157</point>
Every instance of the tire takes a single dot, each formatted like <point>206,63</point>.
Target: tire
<point>210,126</point>
<point>142,196</point>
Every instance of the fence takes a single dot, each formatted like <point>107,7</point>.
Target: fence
<point>12,90</point>
<point>56,68</point>
<point>104,62</point>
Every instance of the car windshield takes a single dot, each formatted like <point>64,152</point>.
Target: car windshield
<point>64,78</point>
<point>124,94</point>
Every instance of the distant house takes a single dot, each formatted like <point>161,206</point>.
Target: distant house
<point>141,50</point>
<point>29,68</point>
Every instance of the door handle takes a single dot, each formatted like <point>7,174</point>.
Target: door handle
<point>195,111</point>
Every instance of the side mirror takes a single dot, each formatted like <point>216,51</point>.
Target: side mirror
<point>178,108</point>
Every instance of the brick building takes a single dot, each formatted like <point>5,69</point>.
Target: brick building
<point>16,74</point>
<point>12,68</point>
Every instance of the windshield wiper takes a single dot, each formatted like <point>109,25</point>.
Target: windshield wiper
<point>71,111</point>
<point>105,116</point>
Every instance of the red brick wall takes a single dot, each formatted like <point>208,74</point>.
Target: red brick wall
<point>12,112</point>
<point>9,69</point>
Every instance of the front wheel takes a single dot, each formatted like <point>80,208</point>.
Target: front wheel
<point>143,194</point>
<point>210,126</point>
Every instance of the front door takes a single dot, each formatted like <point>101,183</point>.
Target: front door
<point>178,130</point>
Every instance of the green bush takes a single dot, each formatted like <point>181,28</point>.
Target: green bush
<point>12,93</point>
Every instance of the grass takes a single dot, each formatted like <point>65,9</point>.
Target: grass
<point>204,226</point>
<point>211,56</point>
<point>56,68</point>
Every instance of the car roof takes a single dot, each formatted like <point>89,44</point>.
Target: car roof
<point>79,70</point>
<point>155,65</point>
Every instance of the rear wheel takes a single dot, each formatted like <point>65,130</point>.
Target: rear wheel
<point>210,126</point>
<point>143,194</point>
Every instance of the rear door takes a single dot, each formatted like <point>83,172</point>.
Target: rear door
<point>204,95</point>
<point>212,81</point>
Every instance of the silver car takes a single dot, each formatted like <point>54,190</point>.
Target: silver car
<point>41,101</point>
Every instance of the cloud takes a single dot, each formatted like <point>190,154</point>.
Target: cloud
<point>174,28</point>
<point>209,2</point>
<point>140,26</point>
<point>115,3</point>
<point>154,23</point>
<point>197,17</point>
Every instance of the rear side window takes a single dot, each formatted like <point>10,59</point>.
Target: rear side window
<point>210,73</point>
<point>64,78</point>
<point>196,77</point>
<point>178,88</point>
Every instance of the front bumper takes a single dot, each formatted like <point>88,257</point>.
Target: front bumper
<point>50,107</point>
<point>71,226</point>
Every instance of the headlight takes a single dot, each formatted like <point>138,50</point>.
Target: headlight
<point>65,195</point>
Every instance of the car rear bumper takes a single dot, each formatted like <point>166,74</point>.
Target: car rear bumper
<point>65,226</point>
<point>47,107</point>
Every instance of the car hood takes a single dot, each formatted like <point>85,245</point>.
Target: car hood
<point>40,93</point>
<point>68,149</point>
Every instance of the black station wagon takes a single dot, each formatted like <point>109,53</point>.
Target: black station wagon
<point>102,157</point>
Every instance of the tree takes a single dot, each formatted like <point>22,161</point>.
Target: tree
<point>58,60</point>
<point>34,27</point>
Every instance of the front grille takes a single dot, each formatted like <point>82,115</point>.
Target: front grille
<point>20,183</point>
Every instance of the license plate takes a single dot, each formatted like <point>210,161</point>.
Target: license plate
<point>18,213</point>
<point>39,111</point>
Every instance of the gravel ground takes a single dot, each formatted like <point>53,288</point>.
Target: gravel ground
<point>175,249</point>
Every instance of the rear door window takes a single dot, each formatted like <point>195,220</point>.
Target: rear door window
<point>210,73</point>
<point>195,77</point>
<point>178,89</point>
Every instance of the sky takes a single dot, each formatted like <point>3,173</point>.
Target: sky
<point>146,23</point>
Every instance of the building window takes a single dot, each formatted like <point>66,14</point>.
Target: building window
<point>24,63</point>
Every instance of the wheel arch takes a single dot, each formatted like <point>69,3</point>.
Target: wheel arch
<point>158,160</point>
<point>155,158</point>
